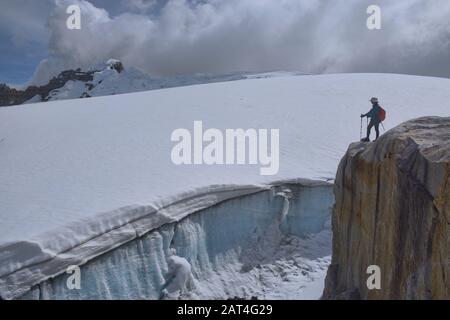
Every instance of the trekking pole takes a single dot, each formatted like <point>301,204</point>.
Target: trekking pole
<point>367,127</point>
<point>360,131</point>
<point>383,126</point>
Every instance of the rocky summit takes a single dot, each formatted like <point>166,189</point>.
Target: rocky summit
<point>11,96</point>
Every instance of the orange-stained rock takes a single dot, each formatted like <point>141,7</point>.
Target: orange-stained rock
<point>393,210</point>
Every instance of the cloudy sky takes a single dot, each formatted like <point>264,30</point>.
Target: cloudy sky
<point>167,37</point>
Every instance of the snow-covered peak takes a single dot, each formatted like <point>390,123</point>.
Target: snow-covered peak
<point>112,77</point>
<point>113,64</point>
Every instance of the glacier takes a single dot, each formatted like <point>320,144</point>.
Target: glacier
<point>237,240</point>
<point>84,179</point>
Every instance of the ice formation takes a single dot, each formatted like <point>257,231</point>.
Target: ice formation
<point>214,245</point>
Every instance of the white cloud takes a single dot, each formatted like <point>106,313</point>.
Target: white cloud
<point>223,35</point>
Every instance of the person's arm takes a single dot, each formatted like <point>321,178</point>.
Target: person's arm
<point>372,113</point>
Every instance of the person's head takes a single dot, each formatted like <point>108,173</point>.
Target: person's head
<point>374,101</point>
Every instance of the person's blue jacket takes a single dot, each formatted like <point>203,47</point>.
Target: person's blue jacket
<point>373,113</point>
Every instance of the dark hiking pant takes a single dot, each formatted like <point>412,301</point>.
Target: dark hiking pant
<point>375,124</point>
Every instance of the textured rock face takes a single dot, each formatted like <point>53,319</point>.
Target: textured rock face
<point>393,210</point>
<point>10,96</point>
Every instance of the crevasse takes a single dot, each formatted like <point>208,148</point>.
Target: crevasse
<point>240,247</point>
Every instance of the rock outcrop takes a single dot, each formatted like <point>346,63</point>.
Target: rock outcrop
<point>392,210</point>
<point>10,96</point>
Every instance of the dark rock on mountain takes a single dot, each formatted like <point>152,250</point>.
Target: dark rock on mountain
<point>10,96</point>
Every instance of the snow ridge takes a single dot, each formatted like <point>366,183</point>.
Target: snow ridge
<point>112,78</point>
<point>27,263</point>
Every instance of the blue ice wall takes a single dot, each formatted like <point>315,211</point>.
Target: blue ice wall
<point>309,209</point>
<point>208,239</point>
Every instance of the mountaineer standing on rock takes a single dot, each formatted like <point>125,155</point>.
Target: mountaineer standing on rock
<point>377,114</point>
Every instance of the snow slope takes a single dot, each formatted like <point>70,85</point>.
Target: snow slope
<point>72,170</point>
